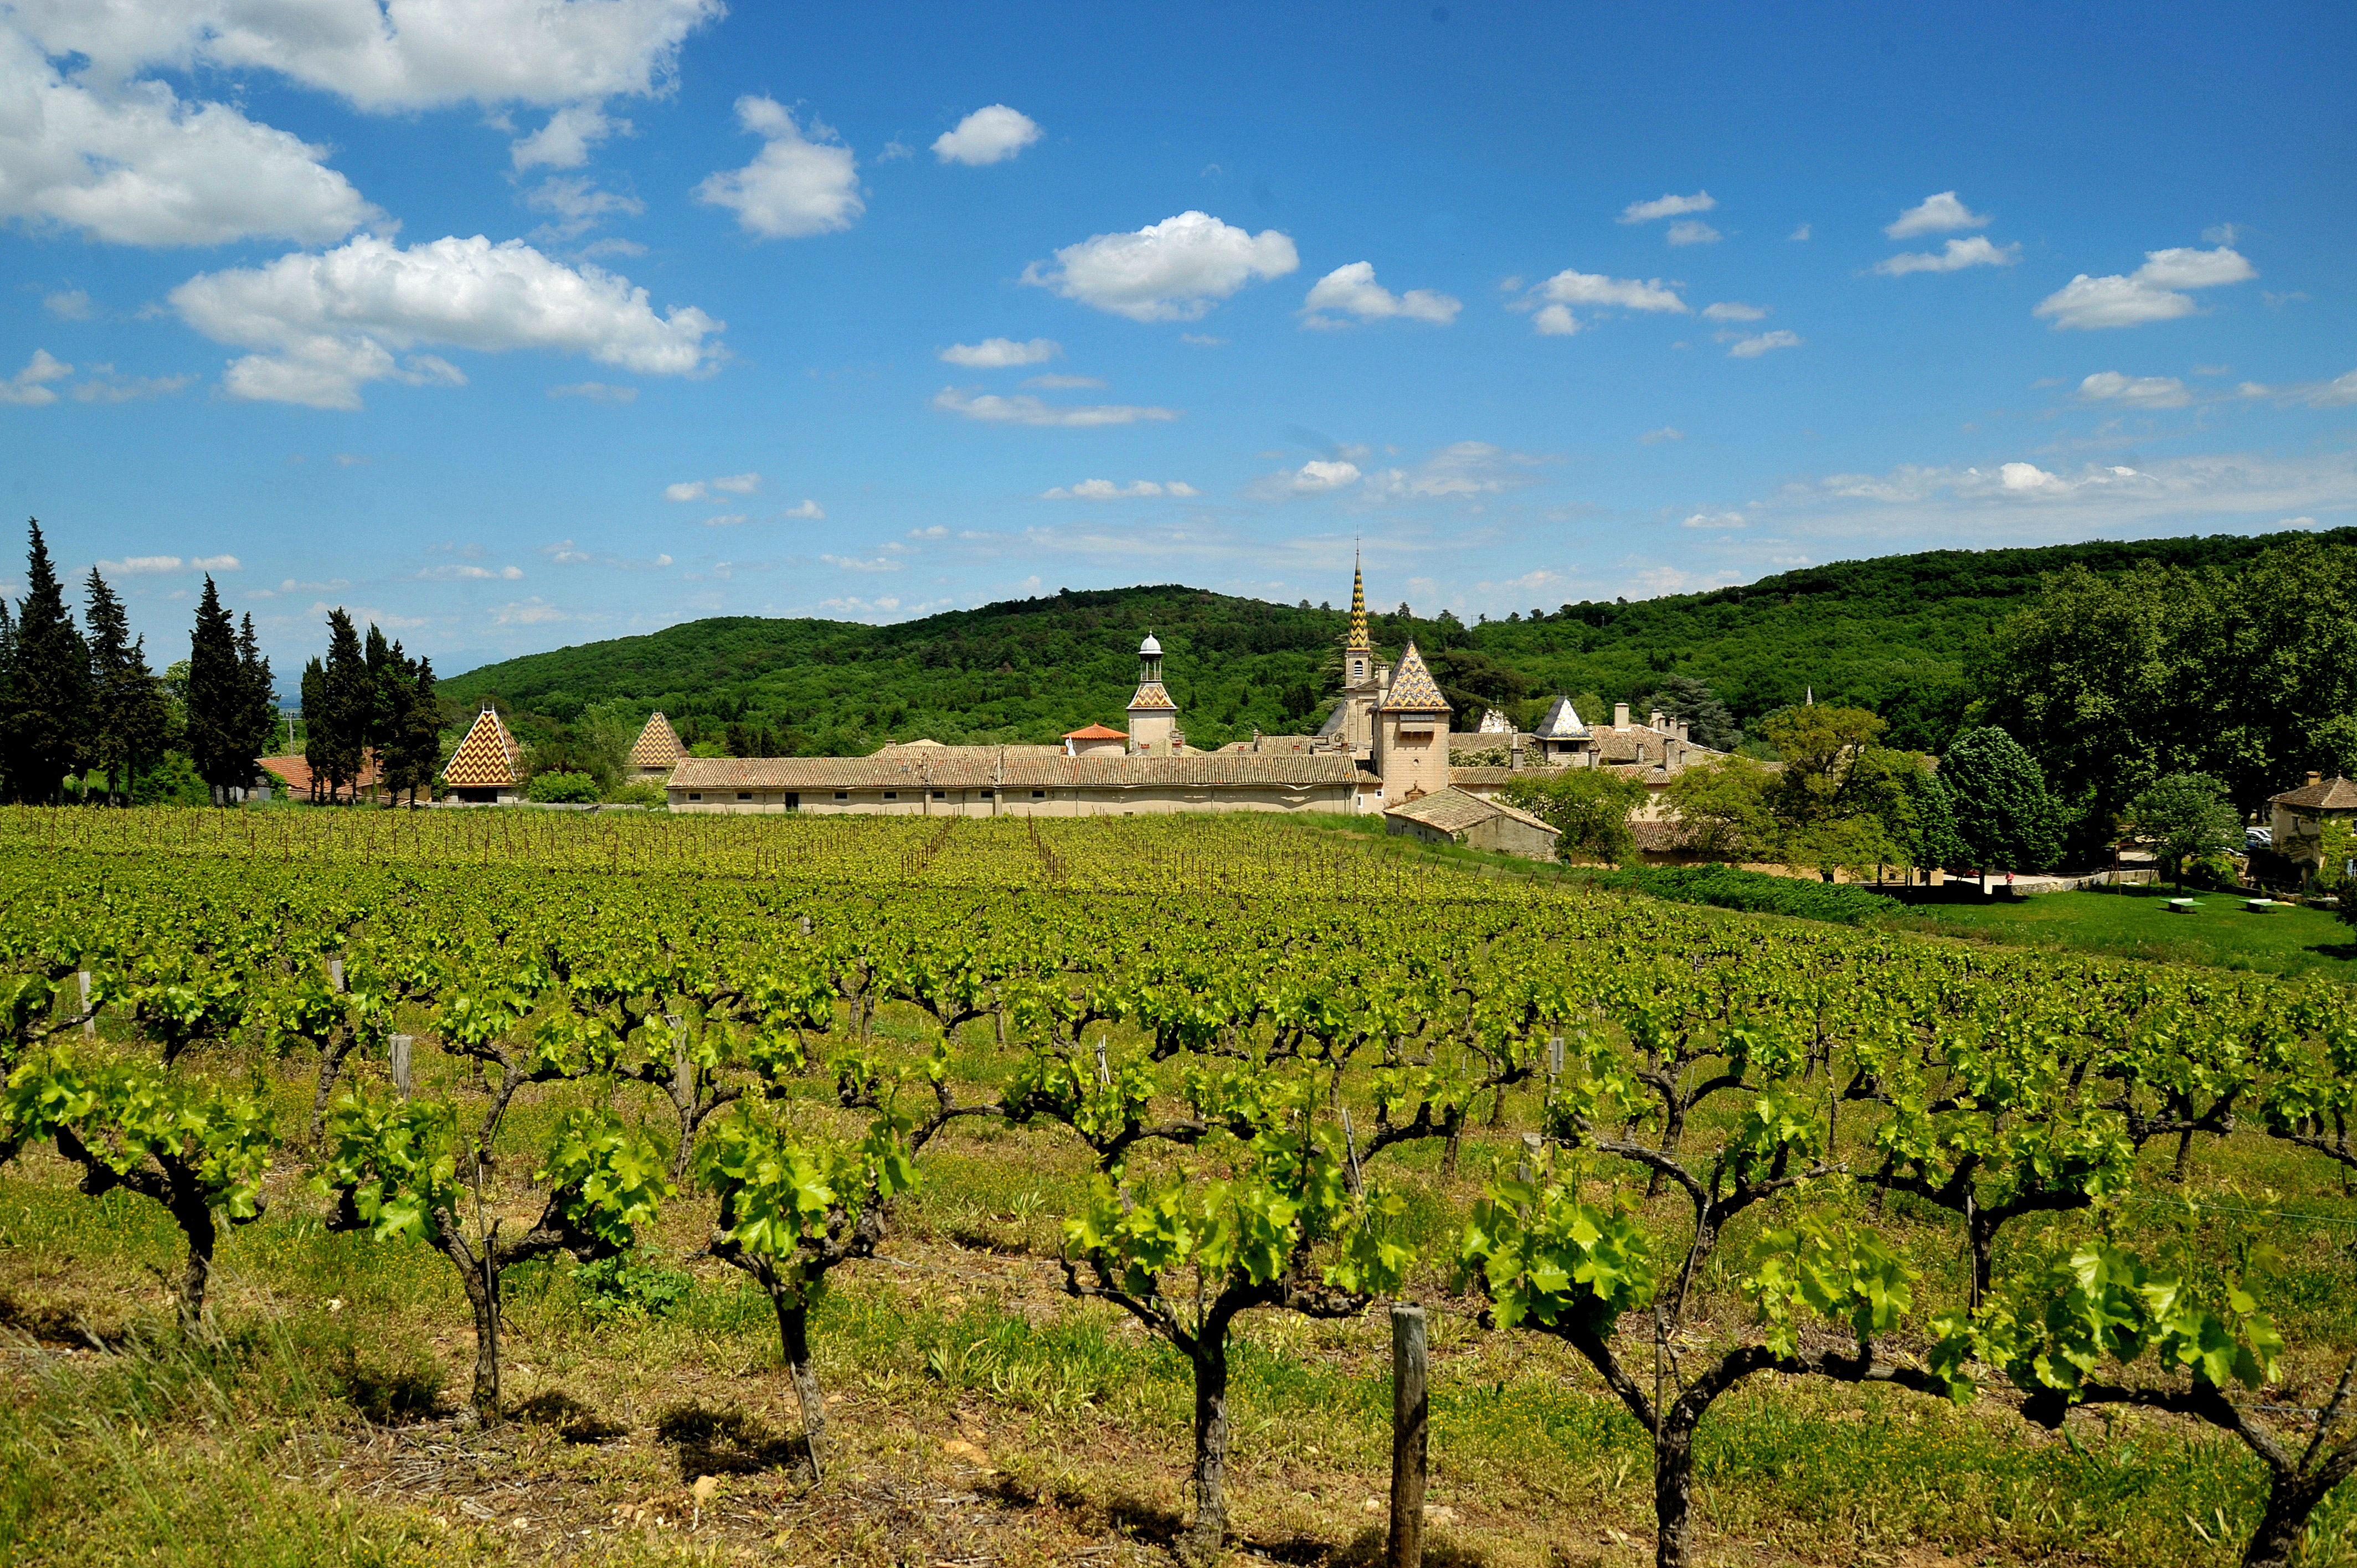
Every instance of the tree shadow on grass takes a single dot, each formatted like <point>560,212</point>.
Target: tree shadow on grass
<point>1367,1549</point>
<point>728,1442</point>
<point>574,1421</point>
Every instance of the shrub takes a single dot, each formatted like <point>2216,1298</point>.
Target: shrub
<point>638,792</point>
<point>2213,872</point>
<point>562,789</point>
<point>1725,887</point>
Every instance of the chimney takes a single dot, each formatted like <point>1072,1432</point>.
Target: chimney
<point>2314,778</point>
<point>1653,719</point>
<point>1620,715</point>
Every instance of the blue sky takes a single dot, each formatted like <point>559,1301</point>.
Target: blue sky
<point>511,324</point>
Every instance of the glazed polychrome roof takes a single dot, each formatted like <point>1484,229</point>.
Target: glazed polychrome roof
<point>1412,688</point>
<point>486,759</point>
<point>656,745</point>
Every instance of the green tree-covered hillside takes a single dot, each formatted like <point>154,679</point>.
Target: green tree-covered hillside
<point>1898,635</point>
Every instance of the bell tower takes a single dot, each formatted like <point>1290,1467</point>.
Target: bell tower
<point>1152,716</point>
<point>1411,733</point>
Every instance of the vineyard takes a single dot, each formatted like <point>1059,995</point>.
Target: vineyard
<point>387,1187</point>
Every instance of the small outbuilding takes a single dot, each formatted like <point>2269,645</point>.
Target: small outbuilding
<point>487,768</point>
<point>1454,816</point>
<point>657,750</point>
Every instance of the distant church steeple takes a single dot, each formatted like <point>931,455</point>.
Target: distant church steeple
<point>1359,642</point>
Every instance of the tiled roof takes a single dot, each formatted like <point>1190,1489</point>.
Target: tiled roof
<point>1486,775</point>
<point>658,744</point>
<point>2333,794</point>
<point>1012,768</point>
<point>1412,688</point>
<point>1562,722</point>
<point>296,773</point>
<point>1661,838</point>
<point>1358,642</point>
<point>1096,732</point>
<point>1150,695</point>
<point>1453,811</point>
<point>486,759</point>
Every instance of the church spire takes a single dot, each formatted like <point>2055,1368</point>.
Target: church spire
<point>1359,640</point>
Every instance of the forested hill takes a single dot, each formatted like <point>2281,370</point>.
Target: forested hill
<point>1897,634</point>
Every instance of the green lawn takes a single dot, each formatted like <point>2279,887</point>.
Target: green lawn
<point>2136,923</point>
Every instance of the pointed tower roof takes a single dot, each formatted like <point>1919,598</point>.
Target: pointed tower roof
<point>1562,723</point>
<point>1412,688</point>
<point>486,759</point>
<point>1359,643</point>
<point>658,744</point>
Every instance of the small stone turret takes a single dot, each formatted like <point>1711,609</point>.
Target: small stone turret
<point>1152,716</point>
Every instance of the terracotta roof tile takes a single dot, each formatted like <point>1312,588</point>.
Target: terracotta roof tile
<point>1453,811</point>
<point>1096,732</point>
<point>1412,688</point>
<point>486,759</point>
<point>2333,794</point>
<point>1012,768</point>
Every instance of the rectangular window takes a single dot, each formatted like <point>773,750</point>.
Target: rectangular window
<point>692,795</point>
<point>1039,794</point>
<point>842,794</point>
<point>940,794</point>
<point>985,794</point>
<point>793,802</point>
<point>891,794</point>
<point>744,794</point>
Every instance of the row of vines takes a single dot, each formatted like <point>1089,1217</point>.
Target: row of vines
<point>1759,1152</point>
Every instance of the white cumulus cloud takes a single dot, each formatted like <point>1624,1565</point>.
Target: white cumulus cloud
<point>987,136</point>
<point>1715,520</point>
<point>1023,409</point>
<point>1172,270</point>
<point>1976,251</point>
<point>564,142</point>
<point>132,164</point>
<point>1666,206</point>
<point>1353,291</point>
<point>1319,475</point>
<point>809,512</point>
<point>322,325</point>
<point>1001,353</point>
<point>1752,347</point>
<point>1693,232</point>
<point>2136,392</point>
<point>1732,310</point>
<point>2151,292</point>
<point>797,187</point>
<point>1556,297</point>
<point>1935,215</point>
<point>28,388</point>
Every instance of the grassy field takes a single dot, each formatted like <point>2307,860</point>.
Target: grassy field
<point>2137,923</point>
<point>981,1417</point>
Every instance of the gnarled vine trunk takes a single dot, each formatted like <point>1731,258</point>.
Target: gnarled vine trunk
<point>793,1340</point>
<point>1208,1483</point>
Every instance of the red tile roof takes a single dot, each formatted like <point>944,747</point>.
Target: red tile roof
<point>2331,794</point>
<point>1012,768</point>
<point>1096,732</point>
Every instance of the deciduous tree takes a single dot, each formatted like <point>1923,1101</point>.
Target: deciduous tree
<point>1998,795</point>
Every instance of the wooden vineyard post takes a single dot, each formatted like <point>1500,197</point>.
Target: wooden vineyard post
<point>89,1019</point>
<point>1555,1066</point>
<point>401,1044</point>
<point>336,975</point>
<point>1410,1414</point>
<point>1104,1074</point>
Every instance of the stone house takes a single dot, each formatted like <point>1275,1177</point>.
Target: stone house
<point>1453,816</point>
<point>2297,817</point>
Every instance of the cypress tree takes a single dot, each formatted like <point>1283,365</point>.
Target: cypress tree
<point>347,701</point>
<point>318,728</point>
<point>45,711</point>
<point>217,702</point>
<point>382,697</point>
<point>422,732</point>
<point>7,684</point>
<point>259,712</point>
<point>129,718</point>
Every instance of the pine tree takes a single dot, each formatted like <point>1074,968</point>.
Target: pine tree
<point>258,713</point>
<point>45,709</point>
<point>422,732</point>
<point>217,702</point>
